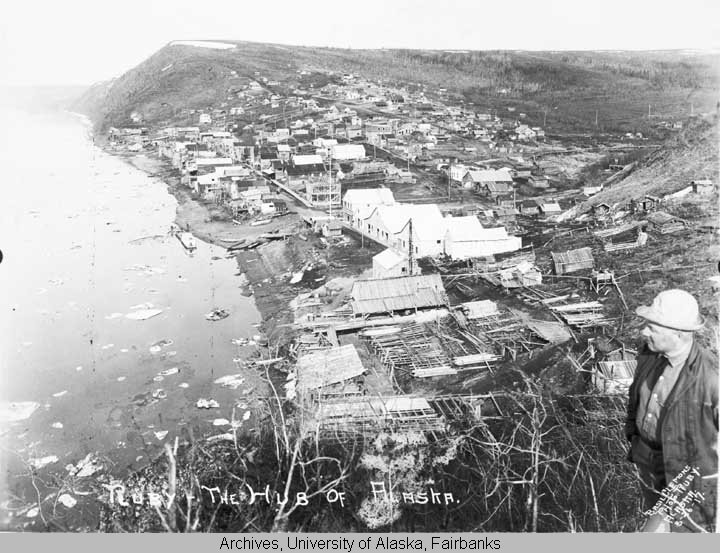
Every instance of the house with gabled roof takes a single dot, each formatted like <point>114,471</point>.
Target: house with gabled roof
<point>390,263</point>
<point>489,181</point>
<point>359,203</point>
<point>391,226</point>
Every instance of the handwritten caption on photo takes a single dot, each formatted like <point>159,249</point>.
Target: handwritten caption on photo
<point>120,495</point>
<point>678,498</point>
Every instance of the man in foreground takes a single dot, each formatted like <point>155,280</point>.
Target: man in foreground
<point>672,422</point>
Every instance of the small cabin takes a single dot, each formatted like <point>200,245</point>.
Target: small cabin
<point>528,207</point>
<point>664,223</point>
<point>572,260</point>
<point>332,229</point>
<point>645,204</point>
<point>702,187</point>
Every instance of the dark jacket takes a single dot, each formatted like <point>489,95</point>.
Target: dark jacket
<point>689,421</point>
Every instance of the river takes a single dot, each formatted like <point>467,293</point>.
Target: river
<point>85,243</point>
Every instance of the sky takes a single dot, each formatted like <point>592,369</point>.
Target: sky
<point>79,42</point>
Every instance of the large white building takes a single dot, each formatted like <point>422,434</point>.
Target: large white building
<point>375,214</point>
<point>390,225</point>
<point>359,203</point>
<point>466,238</point>
<point>347,152</point>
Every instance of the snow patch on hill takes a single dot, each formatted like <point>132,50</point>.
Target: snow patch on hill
<point>203,44</point>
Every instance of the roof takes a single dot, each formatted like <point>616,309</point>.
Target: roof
<point>427,220</point>
<point>580,255</point>
<point>333,224</point>
<point>348,151</point>
<point>480,309</point>
<point>213,161</point>
<point>330,366</point>
<point>498,187</point>
<point>463,228</point>
<point>311,159</point>
<point>370,196</point>
<point>233,171</point>
<point>382,295</point>
<point>661,218</point>
<point>388,259</point>
<point>469,229</point>
<point>490,175</point>
<point>551,207</point>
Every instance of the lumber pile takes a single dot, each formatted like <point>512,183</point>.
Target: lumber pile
<point>582,315</point>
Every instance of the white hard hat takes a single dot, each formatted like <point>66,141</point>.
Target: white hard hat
<point>674,309</point>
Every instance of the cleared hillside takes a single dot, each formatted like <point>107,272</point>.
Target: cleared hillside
<point>690,155</point>
<point>563,89</point>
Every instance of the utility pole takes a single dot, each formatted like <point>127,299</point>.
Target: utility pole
<point>596,118</point>
<point>544,117</point>
<point>692,109</point>
<point>648,110</point>
<point>410,248</point>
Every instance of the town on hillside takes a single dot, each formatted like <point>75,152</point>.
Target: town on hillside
<point>420,262</point>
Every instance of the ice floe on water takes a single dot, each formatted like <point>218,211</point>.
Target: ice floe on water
<point>233,381</point>
<point>143,314</point>
<point>17,410</point>
<point>203,403</point>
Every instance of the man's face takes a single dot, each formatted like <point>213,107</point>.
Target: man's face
<point>660,339</point>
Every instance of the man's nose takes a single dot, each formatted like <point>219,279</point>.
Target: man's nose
<point>645,332</point>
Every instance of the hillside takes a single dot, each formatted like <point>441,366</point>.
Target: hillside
<point>691,154</point>
<point>566,88</point>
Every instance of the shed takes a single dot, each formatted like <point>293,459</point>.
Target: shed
<point>703,186</point>
<point>664,223</point>
<point>572,260</point>
<point>529,207</point>
<point>390,263</point>
<point>386,295</point>
<point>647,203</point>
<point>332,228</point>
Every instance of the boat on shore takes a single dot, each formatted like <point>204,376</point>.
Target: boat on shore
<point>187,240</point>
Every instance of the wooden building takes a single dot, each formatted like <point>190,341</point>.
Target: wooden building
<point>572,260</point>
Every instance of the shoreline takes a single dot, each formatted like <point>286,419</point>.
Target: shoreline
<point>212,225</point>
